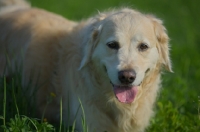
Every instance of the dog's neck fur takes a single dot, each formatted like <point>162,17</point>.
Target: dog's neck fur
<point>114,110</point>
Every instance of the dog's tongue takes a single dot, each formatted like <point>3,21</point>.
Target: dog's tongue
<point>125,94</point>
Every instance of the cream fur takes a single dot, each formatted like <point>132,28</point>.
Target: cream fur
<point>69,59</point>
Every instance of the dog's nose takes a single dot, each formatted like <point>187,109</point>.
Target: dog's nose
<point>126,76</point>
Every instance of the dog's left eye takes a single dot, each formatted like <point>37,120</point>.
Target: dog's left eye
<point>143,47</point>
<point>113,45</point>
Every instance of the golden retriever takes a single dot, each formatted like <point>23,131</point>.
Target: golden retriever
<point>112,62</point>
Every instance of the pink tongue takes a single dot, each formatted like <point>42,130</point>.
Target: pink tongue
<point>125,94</point>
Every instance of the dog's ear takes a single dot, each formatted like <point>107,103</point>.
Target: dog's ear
<point>94,31</point>
<point>90,46</point>
<point>162,45</point>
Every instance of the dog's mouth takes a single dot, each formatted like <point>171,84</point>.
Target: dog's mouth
<point>125,94</point>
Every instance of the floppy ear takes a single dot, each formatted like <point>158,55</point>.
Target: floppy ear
<point>162,45</point>
<point>90,46</point>
<point>94,30</point>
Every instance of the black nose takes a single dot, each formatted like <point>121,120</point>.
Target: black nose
<point>126,76</point>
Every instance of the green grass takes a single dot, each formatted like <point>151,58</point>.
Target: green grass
<point>178,105</point>
<point>13,104</point>
<point>19,116</point>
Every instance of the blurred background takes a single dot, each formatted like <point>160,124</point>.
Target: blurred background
<point>179,100</point>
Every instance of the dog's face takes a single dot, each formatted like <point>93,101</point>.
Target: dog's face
<point>128,46</point>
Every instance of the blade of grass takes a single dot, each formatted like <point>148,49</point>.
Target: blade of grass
<point>68,113</point>
<point>48,102</point>
<point>4,104</point>
<point>74,123</point>
<point>31,122</point>
<point>42,120</point>
<point>14,96</point>
<point>84,125</point>
<point>199,108</point>
<point>60,129</point>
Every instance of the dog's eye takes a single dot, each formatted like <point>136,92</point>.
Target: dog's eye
<point>143,47</point>
<point>113,45</point>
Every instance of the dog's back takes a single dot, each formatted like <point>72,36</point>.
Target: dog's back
<point>29,39</point>
<point>4,3</point>
<point>24,28</point>
<point>12,5</point>
<point>6,7</point>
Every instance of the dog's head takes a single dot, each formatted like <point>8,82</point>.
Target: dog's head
<point>126,45</point>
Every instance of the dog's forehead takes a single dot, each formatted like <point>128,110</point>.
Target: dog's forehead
<point>130,26</point>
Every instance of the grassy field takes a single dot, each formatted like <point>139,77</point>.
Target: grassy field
<point>179,100</point>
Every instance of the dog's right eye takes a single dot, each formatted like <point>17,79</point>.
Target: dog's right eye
<point>113,45</point>
<point>143,47</point>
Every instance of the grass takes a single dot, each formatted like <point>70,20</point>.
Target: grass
<point>18,118</point>
<point>12,101</point>
<point>178,105</point>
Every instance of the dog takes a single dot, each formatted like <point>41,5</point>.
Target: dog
<point>110,63</point>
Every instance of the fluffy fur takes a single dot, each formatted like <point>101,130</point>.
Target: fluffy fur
<point>63,59</point>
